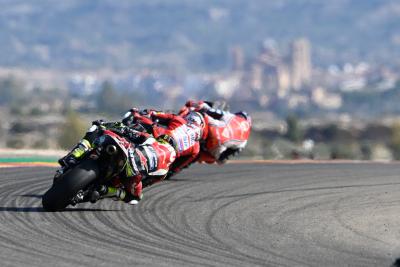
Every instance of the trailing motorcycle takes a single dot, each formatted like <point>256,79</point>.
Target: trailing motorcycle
<point>99,166</point>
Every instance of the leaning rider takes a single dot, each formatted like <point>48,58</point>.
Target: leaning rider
<point>185,133</point>
<point>149,160</point>
<point>216,118</point>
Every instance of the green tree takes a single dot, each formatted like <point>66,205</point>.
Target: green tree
<point>346,151</point>
<point>15,142</point>
<point>294,132</point>
<point>108,99</point>
<point>72,130</point>
<point>10,90</point>
<point>366,151</point>
<point>395,141</point>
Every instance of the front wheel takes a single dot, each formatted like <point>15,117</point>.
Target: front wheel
<point>68,185</point>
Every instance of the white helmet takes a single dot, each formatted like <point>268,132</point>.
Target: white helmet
<point>197,122</point>
<point>194,117</point>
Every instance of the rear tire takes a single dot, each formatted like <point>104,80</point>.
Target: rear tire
<point>67,186</point>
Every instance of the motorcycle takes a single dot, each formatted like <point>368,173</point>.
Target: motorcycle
<point>225,138</point>
<point>99,166</point>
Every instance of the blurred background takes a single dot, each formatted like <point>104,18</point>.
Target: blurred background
<point>321,79</point>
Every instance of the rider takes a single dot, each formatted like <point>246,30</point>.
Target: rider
<point>185,132</point>
<point>213,149</point>
<point>149,160</point>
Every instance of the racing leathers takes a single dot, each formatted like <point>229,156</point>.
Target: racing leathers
<point>184,133</point>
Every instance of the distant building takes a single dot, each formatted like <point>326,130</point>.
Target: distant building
<point>256,77</point>
<point>298,100</point>
<point>237,58</point>
<point>301,67</point>
<point>225,87</point>
<point>325,100</point>
<point>83,85</point>
<point>283,80</point>
<point>272,75</point>
<point>269,74</point>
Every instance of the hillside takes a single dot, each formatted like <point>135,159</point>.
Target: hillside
<point>194,35</point>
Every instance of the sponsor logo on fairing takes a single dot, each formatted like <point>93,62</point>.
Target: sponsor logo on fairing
<point>186,137</point>
<point>151,158</point>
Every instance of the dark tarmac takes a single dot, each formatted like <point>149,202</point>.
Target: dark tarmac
<point>260,214</point>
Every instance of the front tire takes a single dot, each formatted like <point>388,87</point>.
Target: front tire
<point>67,186</point>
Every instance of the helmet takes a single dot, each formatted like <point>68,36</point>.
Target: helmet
<point>129,117</point>
<point>194,117</point>
<point>191,103</point>
<point>197,120</point>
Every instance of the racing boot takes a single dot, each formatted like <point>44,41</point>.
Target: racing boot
<point>111,192</point>
<point>136,191</point>
<point>72,158</point>
<point>118,194</point>
<point>133,200</point>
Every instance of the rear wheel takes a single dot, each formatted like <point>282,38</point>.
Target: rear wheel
<point>68,185</point>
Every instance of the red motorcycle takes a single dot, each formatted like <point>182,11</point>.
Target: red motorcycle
<point>225,137</point>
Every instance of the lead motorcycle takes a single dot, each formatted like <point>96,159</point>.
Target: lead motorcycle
<point>100,166</point>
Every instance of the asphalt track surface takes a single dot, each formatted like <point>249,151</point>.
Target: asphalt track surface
<point>232,215</point>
